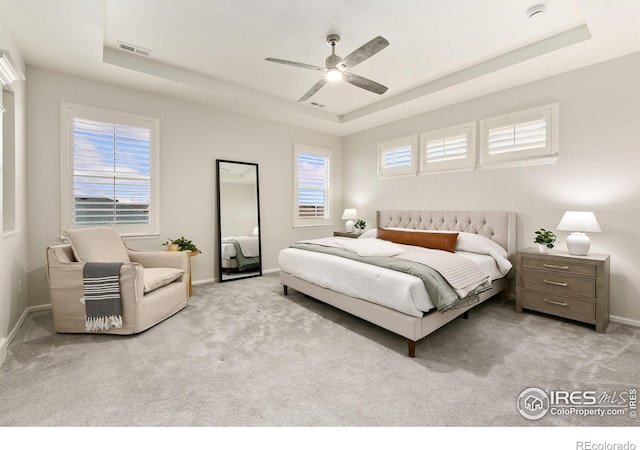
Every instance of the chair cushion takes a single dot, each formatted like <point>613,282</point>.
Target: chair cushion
<point>97,244</point>
<point>156,277</point>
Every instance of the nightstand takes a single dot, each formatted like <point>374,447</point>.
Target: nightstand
<point>565,285</point>
<point>345,234</point>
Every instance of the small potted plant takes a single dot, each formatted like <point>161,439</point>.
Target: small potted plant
<point>360,225</point>
<point>545,240</point>
<point>181,244</point>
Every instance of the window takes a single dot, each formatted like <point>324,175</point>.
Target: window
<point>521,138</point>
<point>449,149</point>
<point>397,157</point>
<point>311,186</point>
<point>109,169</point>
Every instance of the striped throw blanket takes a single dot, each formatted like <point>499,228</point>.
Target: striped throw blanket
<point>101,283</point>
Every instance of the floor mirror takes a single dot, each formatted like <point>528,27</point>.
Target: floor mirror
<point>238,197</point>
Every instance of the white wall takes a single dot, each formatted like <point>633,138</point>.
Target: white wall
<point>13,245</point>
<point>598,168</point>
<point>192,137</point>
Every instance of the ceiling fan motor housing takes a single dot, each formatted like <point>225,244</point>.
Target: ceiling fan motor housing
<point>333,60</point>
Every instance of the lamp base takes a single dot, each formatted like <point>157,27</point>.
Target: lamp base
<point>350,226</point>
<point>578,243</point>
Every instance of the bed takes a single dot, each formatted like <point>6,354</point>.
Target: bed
<point>240,253</point>
<point>395,300</point>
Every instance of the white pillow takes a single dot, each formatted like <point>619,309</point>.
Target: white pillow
<point>372,233</point>
<point>156,277</point>
<point>371,247</point>
<point>475,243</point>
<point>97,244</point>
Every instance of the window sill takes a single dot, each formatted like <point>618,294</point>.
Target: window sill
<point>522,163</point>
<point>8,234</point>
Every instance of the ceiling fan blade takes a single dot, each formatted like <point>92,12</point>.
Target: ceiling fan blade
<point>296,64</point>
<point>366,51</point>
<point>316,87</point>
<point>364,83</point>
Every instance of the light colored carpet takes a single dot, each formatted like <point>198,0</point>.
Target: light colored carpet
<point>243,354</point>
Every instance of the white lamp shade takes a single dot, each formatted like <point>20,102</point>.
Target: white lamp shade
<point>578,243</point>
<point>350,214</point>
<point>584,221</point>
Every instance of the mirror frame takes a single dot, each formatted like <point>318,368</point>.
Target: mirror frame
<point>219,220</point>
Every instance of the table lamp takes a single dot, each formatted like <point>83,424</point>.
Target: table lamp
<point>579,222</point>
<point>350,215</point>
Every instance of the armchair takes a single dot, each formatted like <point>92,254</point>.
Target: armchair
<point>153,284</point>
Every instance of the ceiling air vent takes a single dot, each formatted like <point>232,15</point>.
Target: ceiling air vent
<point>133,49</point>
<point>317,104</point>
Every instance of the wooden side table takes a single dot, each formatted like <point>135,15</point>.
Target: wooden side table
<point>345,234</point>
<point>191,253</point>
<point>565,285</point>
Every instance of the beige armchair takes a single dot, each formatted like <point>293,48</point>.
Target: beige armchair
<point>153,284</point>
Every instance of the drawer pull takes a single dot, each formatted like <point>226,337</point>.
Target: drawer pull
<point>551,266</point>
<point>556,283</point>
<point>555,303</point>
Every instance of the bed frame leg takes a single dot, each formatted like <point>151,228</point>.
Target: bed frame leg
<point>412,348</point>
<point>465,315</point>
<point>286,289</point>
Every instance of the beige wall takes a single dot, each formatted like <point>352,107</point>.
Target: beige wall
<point>598,168</point>
<point>192,137</point>
<point>13,245</point>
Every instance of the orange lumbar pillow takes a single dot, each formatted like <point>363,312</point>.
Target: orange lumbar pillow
<point>438,241</point>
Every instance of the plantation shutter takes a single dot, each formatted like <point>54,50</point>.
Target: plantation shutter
<point>523,137</point>
<point>518,137</point>
<point>448,149</point>
<point>397,157</point>
<point>110,175</point>
<point>313,187</point>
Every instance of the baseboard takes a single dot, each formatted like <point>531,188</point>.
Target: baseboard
<point>215,280</point>
<point>4,342</point>
<point>632,322</point>
<point>205,281</point>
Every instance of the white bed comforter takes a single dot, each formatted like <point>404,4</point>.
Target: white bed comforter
<point>248,246</point>
<point>385,287</point>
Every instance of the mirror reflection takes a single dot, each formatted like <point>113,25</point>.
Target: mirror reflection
<point>238,220</point>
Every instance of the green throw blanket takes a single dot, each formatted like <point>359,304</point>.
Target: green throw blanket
<point>441,293</point>
<point>244,262</point>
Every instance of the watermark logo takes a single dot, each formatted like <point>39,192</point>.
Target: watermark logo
<point>534,403</point>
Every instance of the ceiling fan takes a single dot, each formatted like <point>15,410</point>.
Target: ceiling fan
<point>335,66</point>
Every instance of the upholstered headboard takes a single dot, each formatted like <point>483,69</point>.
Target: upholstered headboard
<point>499,226</point>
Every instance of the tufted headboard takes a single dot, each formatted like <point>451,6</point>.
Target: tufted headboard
<point>496,225</point>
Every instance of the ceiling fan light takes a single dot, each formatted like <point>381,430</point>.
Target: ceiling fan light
<point>333,74</point>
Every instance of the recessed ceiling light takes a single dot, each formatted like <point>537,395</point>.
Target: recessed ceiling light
<point>535,11</point>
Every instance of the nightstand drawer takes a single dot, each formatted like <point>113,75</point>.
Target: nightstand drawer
<point>559,283</point>
<point>571,308</point>
<point>572,268</point>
